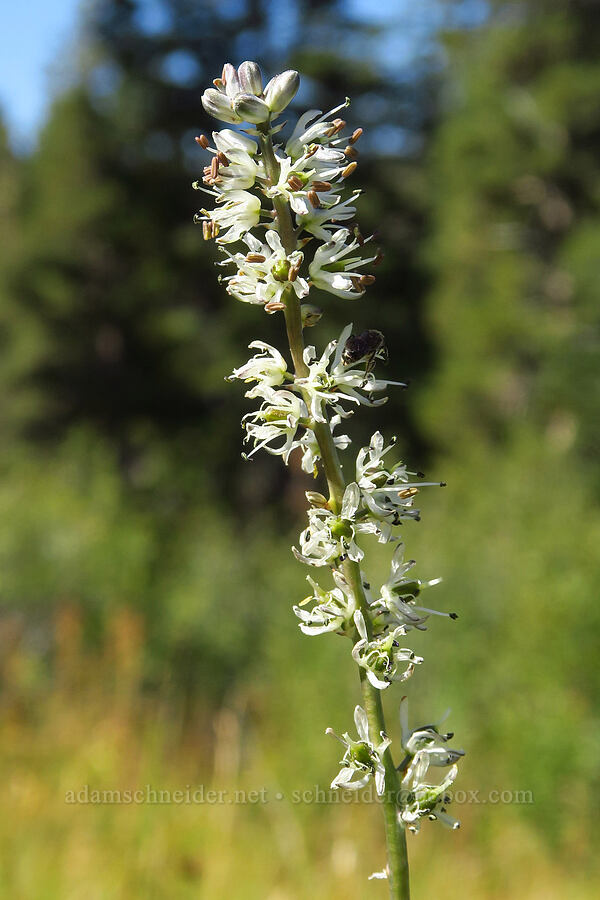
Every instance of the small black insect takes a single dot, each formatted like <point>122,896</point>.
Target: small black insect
<point>367,347</point>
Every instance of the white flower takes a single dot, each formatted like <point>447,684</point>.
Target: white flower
<point>382,656</point>
<point>396,603</point>
<point>388,493</point>
<point>323,220</point>
<point>330,537</point>
<point>331,382</point>
<point>332,611</point>
<point>273,427</point>
<point>268,367</point>
<point>312,452</point>
<point>363,758</point>
<point>231,143</point>
<point>423,798</point>
<point>331,272</point>
<point>312,172</point>
<point>240,174</point>
<point>425,747</point>
<point>239,213</point>
<point>427,739</point>
<point>312,127</point>
<point>265,272</point>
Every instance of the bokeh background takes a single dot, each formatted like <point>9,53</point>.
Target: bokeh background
<point>146,581</point>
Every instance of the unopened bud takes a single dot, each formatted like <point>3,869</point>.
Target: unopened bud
<point>316,499</point>
<point>251,108</point>
<point>310,314</point>
<point>219,105</point>
<point>250,77</point>
<point>281,90</point>
<point>230,79</point>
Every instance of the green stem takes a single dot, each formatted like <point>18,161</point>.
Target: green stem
<point>398,877</point>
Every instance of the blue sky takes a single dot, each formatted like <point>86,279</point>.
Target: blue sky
<point>35,34</point>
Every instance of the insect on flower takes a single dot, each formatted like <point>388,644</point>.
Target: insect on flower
<point>368,347</point>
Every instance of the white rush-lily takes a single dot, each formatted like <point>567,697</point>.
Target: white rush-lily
<point>363,758</point>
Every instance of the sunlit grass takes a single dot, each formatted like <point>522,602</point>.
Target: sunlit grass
<point>94,724</point>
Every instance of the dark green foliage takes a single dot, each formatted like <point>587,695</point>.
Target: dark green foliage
<point>515,170</point>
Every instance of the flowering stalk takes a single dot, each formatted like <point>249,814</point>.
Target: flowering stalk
<point>309,241</point>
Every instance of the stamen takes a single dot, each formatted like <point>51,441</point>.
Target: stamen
<point>349,169</point>
<point>255,258</point>
<point>295,183</point>
<point>409,492</point>
<point>314,199</point>
<point>222,159</point>
<point>214,167</point>
<point>355,135</point>
<point>366,280</point>
<point>350,152</point>
<point>321,186</point>
<point>274,306</point>
<point>203,141</point>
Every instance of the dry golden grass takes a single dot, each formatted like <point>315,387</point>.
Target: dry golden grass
<point>93,724</point>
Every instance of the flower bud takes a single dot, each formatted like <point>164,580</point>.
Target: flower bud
<point>251,108</point>
<point>250,78</point>
<point>281,90</point>
<point>316,499</point>
<point>218,105</point>
<point>310,314</point>
<point>230,79</point>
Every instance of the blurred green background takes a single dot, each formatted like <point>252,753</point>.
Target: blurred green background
<point>146,582</point>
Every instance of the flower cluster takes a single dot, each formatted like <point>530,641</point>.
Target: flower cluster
<point>328,385</point>
<point>286,207</point>
<point>311,171</point>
